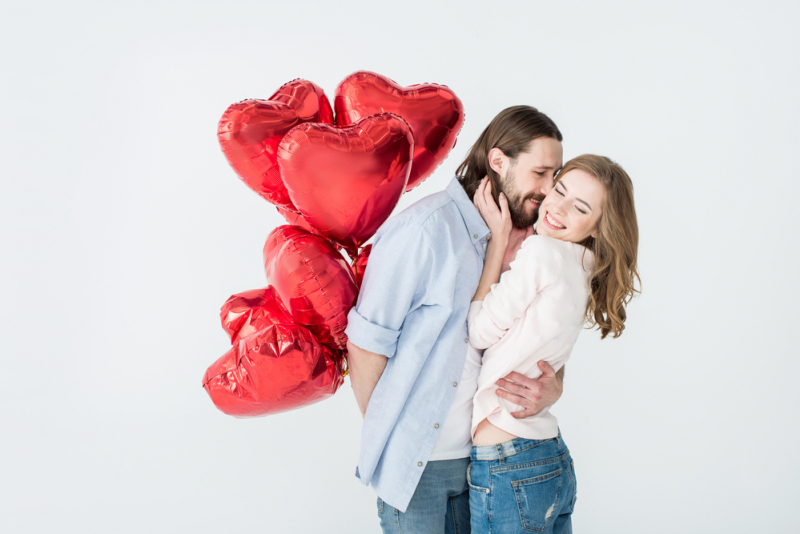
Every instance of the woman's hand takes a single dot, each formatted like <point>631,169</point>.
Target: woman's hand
<point>498,219</point>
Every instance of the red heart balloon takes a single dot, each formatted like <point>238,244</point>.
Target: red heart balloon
<point>278,368</point>
<point>249,133</point>
<point>433,111</point>
<point>295,219</point>
<point>346,181</point>
<point>313,281</point>
<point>246,313</point>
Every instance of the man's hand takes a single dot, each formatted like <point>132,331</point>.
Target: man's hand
<point>533,394</point>
<point>515,239</point>
<point>365,369</point>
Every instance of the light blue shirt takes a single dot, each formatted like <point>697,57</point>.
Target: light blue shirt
<point>422,273</point>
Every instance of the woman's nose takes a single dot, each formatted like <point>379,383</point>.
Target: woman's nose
<point>560,206</point>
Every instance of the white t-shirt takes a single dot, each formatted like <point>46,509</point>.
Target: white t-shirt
<point>455,438</point>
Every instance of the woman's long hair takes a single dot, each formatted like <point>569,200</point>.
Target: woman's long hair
<point>615,275</point>
<point>512,131</point>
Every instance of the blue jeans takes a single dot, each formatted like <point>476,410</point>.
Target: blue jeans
<point>522,485</point>
<point>440,502</point>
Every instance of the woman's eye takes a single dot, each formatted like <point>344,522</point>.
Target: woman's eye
<point>559,192</point>
<point>580,210</point>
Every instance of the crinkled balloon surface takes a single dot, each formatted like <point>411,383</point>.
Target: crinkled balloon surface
<point>277,369</point>
<point>248,312</point>
<point>313,280</point>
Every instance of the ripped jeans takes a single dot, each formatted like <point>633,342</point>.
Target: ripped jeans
<point>522,485</point>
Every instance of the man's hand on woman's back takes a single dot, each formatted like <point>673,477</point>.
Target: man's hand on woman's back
<point>534,394</point>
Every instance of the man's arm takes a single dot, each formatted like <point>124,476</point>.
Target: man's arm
<point>396,280</point>
<point>534,394</point>
<point>365,369</point>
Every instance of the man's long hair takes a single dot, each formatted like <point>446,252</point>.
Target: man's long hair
<point>512,131</point>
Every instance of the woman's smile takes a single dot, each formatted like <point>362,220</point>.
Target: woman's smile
<point>552,222</point>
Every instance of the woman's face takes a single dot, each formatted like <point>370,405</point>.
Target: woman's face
<point>572,209</point>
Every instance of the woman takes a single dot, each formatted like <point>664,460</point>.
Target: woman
<point>579,268</point>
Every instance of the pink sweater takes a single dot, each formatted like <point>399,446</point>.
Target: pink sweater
<point>534,313</point>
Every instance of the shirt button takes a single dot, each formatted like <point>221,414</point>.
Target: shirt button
<point>419,464</point>
<point>475,236</point>
<point>455,384</point>
<point>436,425</point>
<point>466,340</point>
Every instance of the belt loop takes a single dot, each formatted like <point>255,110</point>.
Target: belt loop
<point>500,456</point>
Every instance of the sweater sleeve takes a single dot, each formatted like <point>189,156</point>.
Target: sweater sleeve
<point>536,266</point>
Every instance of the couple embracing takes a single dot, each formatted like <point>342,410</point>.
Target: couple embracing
<point>454,366</point>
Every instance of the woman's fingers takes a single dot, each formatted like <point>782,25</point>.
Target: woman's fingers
<point>488,199</point>
<point>504,206</point>
<point>477,198</point>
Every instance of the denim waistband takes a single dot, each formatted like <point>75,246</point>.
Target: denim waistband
<point>517,445</point>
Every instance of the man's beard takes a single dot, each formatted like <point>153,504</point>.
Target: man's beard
<point>517,203</point>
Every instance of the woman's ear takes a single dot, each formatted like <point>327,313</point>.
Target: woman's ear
<point>596,231</point>
<point>498,161</point>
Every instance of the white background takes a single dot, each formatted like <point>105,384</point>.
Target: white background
<point>124,230</point>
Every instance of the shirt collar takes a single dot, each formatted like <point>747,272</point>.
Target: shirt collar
<point>475,224</point>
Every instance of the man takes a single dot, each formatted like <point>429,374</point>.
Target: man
<point>408,332</point>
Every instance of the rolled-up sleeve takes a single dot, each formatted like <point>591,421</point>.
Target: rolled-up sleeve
<point>537,265</point>
<point>395,283</point>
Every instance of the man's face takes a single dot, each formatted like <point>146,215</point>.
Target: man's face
<point>527,180</point>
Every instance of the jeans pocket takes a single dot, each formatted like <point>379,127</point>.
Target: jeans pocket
<point>537,499</point>
<point>380,505</point>
<point>473,487</point>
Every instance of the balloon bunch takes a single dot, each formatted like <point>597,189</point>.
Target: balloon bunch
<point>335,181</point>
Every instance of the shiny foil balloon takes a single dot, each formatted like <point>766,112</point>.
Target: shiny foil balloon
<point>434,113</point>
<point>246,313</point>
<point>249,133</point>
<point>313,281</point>
<point>346,181</point>
<point>278,368</point>
<point>360,265</point>
<point>296,219</point>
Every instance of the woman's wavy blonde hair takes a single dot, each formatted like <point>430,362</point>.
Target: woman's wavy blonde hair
<point>615,276</point>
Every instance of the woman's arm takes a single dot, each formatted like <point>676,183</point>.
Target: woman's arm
<point>498,219</point>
